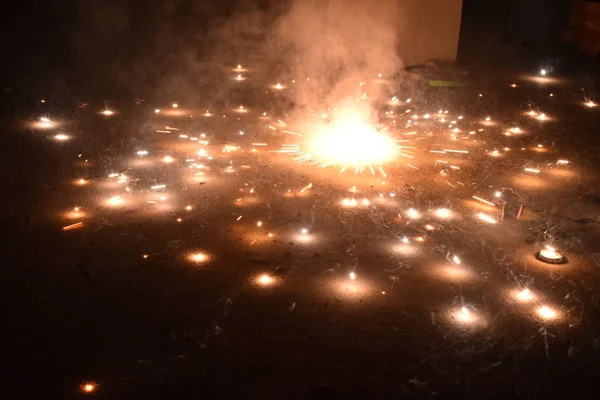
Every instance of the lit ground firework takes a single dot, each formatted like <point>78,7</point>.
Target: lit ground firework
<point>346,142</point>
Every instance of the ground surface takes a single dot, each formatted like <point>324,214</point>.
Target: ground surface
<point>86,305</point>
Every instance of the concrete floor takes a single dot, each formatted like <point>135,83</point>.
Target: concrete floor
<point>85,305</point>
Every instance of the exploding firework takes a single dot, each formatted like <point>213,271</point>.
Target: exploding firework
<point>349,141</point>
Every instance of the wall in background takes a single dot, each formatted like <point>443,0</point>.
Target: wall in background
<point>428,30</point>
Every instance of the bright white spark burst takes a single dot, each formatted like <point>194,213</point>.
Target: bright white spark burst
<point>347,142</point>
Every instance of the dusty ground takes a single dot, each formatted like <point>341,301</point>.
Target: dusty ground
<point>85,305</point>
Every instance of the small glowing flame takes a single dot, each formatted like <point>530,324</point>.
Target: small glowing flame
<point>61,138</point>
<point>265,280</point>
<point>107,112</point>
<point>198,257</point>
<point>412,213</point>
<point>550,253</point>
<point>349,202</point>
<point>45,123</point>
<point>546,312</point>
<point>443,213</point>
<point>89,387</point>
<point>524,295</point>
<point>115,201</point>
<point>352,275</point>
<point>464,315</point>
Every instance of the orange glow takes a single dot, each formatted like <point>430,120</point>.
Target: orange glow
<point>412,213</point>
<point>443,213</point>
<point>115,201</point>
<point>89,387</point>
<point>547,313</point>
<point>265,280</point>
<point>524,295</point>
<point>351,141</point>
<point>465,316</point>
<point>198,257</point>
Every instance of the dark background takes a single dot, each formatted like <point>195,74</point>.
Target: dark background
<point>142,48</point>
<point>117,46</point>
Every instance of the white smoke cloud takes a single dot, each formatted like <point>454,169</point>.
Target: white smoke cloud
<point>337,44</point>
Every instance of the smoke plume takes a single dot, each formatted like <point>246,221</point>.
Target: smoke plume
<point>337,44</point>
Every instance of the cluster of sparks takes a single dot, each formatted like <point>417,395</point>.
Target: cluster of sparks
<point>435,142</point>
<point>346,142</point>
